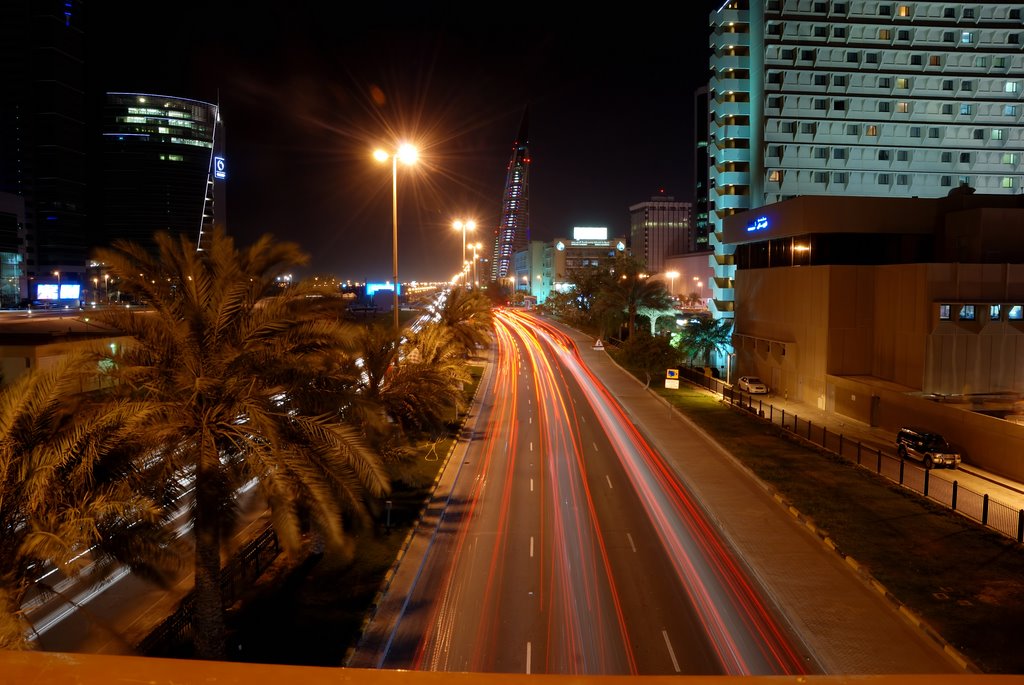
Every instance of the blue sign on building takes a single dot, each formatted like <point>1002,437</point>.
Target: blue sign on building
<point>219,168</point>
<point>760,223</point>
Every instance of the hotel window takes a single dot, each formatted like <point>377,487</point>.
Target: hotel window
<point>915,131</point>
<point>839,105</point>
<point>871,58</point>
<point>966,312</point>
<point>1010,110</point>
<point>883,179</point>
<point>1012,87</point>
<point>964,180</point>
<point>944,314</point>
<point>965,108</point>
<point>903,34</point>
<point>949,13</point>
<point>999,62</point>
<point>903,11</point>
<point>902,156</point>
<point>852,56</point>
<point>774,77</point>
<point>935,61</point>
<point>774,29</point>
<point>852,130</point>
<point>839,177</point>
<point>839,80</point>
<point>965,157</point>
<point>884,106</point>
<point>947,84</point>
<point>884,34</point>
<point>947,108</point>
<point>884,10</point>
<point>774,103</point>
<point>774,150</point>
<point>820,103</point>
<point>1008,182</point>
<point>820,31</point>
<point>946,181</point>
<point>1013,39</point>
<point>1009,158</point>
<point>821,7</point>
<point>1014,14</point>
<point>787,127</point>
<point>947,157</point>
<point>1015,312</point>
<point>979,134</point>
<point>839,153</point>
<point>981,61</point>
<point>775,176</point>
<point>903,83</point>
<point>933,132</point>
<point>902,180</point>
<point>997,134</point>
<point>839,8</point>
<point>821,177</point>
<point>915,60</point>
<point>788,53</point>
<point>872,130</point>
<point>995,312</point>
<point>821,153</point>
<point>884,82</point>
<point>839,32</point>
<point>967,85</point>
<point>947,36</point>
<point>808,127</point>
<point>821,79</point>
<point>808,55</point>
<point>883,155</point>
<point>902,107</point>
<point>966,37</point>
<point>968,13</point>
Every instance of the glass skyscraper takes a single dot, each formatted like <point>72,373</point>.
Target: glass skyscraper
<point>513,231</point>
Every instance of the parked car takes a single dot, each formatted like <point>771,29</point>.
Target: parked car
<point>753,385</point>
<point>926,446</point>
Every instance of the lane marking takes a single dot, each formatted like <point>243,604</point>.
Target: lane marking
<point>531,546</point>
<point>583,419</point>
<point>531,485</point>
<point>631,543</point>
<point>596,449</point>
<point>608,478</point>
<point>529,648</point>
<point>531,420</point>
<point>531,445</point>
<point>671,653</point>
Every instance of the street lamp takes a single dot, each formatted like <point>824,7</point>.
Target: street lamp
<point>476,279</point>
<point>460,225</point>
<point>407,154</point>
<point>672,276</point>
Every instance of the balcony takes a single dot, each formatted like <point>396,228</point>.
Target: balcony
<point>729,132</point>
<point>731,178</point>
<point>724,62</point>
<point>727,109</point>
<point>731,154</point>
<point>732,202</point>
<point>724,86</point>
<point>721,41</point>
<point>730,16</point>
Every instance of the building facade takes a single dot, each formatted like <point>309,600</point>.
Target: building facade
<point>513,231</point>
<point>860,98</point>
<point>163,167</point>
<point>699,241</point>
<point>658,228</point>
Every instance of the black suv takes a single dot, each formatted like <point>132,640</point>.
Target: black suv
<point>927,447</point>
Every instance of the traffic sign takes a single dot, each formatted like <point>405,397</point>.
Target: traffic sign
<point>672,373</point>
<point>599,345</point>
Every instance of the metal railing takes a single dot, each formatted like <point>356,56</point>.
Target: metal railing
<point>977,506</point>
<point>248,563</point>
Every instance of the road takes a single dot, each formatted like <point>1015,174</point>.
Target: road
<point>567,546</point>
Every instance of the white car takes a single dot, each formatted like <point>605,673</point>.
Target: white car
<point>753,385</point>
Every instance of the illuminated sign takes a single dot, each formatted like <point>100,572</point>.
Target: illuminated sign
<point>760,223</point>
<point>220,169</point>
<point>590,232</point>
<point>70,291</point>
<point>620,246</point>
<point>371,288</point>
<point>559,246</point>
<point>46,291</point>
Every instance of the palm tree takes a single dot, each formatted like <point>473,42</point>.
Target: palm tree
<point>216,358</point>
<point>703,336</point>
<point>628,288</point>
<point>467,314</point>
<point>70,496</point>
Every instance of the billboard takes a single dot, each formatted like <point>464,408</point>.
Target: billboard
<point>46,291</point>
<point>70,291</point>
<point>371,288</point>
<point>590,233</point>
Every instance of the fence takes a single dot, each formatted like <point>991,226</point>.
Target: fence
<point>251,560</point>
<point>974,505</point>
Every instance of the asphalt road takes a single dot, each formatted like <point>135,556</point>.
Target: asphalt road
<point>567,547</point>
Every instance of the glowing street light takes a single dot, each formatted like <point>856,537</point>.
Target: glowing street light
<point>672,276</point>
<point>460,225</point>
<point>407,154</point>
<point>476,246</point>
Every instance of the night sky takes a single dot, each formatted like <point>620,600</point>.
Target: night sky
<point>307,92</point>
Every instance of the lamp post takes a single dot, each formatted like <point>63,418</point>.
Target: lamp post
<point>460,225</point>
<point>476,279</point>
<point>672,276</point>
<point>407,154</point>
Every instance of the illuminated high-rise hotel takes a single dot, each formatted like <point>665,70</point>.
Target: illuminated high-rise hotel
<point>891,99</point>
<point>513,231</point>
<point>163,167</point>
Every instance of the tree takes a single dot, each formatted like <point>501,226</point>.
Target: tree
<point>648,356</point>
<point>69,497</point>
<point>467,314</point>
<point>704,335</point>
<point>652,314</point>
<point>627,288</point>
<point>215,360</point>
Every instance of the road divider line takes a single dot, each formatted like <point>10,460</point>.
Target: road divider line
<point>531,485</point>
<point>529,656</point>
<point>531,445</point>
<point>531,546</point>
<point>608,478</point>
<point>671,652</point>
<point>631,543</point>
<point>596,449</point>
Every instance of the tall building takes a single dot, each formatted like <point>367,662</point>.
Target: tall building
<point>699,242</point>
<point>896,99</point>
<point>163,168</point>
<point>658,228</point>
<point>513,231</point>
<point>43,131</point>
